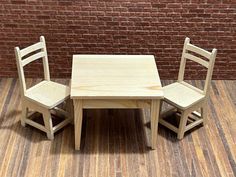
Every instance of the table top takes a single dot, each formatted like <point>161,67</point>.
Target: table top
<point>115,77</point>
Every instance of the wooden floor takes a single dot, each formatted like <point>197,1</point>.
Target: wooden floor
<point>114,142</point>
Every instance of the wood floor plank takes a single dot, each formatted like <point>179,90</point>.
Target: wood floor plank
<point>116,142</point>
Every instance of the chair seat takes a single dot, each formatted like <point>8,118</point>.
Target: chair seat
<point>181,96</point>
<point>48,94</point>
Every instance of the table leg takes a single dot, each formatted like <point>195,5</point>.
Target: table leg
<point>155,108</point>
<point>78,116</point>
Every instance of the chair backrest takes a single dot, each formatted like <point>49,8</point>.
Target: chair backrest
<point>28,55</point>
<point>197,54</point>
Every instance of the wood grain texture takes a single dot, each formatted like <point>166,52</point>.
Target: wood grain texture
<point>78,117</point>
<point>115,77</point>
<point>155,110</point>
<point>113,142</point>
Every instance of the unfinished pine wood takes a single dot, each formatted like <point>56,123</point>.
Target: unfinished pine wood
<point>112,104</point>
<point>181,96</point>
<point>115,77</point>
<point>48,94</point>
<point>113,142</point>
<point>78,114</point>
<point>185,97</point>
<point>155,110</point>
<point>115,81</point>
<point>44,96</point>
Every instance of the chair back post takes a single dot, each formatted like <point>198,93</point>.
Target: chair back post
<point>20,70</point>
<point>183,61</point>
<point>210,71</point>
<point>45,60</point>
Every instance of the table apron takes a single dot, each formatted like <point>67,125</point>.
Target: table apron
<point>115,103</point>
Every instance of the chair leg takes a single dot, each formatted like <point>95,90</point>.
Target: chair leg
<point>204,113</point>
<point>70,109</point>
<point>48,124</point>
<point>182,124</point>
<point>24,114</point>
<point>161,103</point>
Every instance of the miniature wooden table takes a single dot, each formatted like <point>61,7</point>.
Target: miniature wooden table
<point>115,81</point>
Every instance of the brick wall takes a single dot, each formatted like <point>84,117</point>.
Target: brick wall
<point>119,27</point>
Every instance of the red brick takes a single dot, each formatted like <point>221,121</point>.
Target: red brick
<point>119,27</point>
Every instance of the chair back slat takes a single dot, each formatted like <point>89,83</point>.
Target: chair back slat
<point>38,51</point>
<point>32,58</point>
<point>189,52</point>
<point>196,59</point>
<point>198,50</point>
<point>31,49</point>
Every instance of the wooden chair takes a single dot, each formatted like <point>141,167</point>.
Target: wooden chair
<point>185,97</point>
<point>44,96</point>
